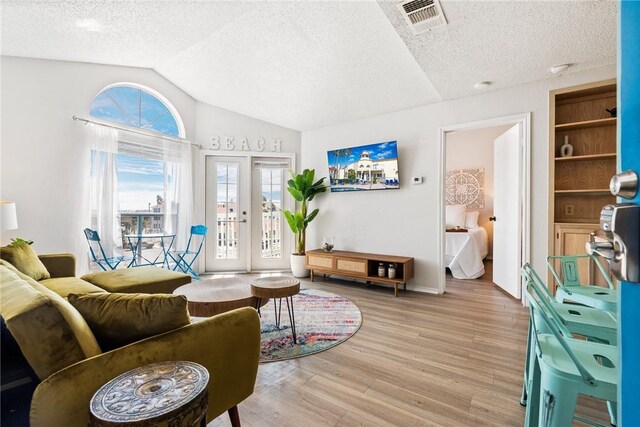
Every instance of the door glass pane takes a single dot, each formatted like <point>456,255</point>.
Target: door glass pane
<point>227,211</point>
<point>271,229</point>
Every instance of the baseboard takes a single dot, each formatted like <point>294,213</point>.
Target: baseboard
<point>423,289</point>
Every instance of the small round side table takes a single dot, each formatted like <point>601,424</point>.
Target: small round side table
<point>277,288</point>
<point>170,393</point>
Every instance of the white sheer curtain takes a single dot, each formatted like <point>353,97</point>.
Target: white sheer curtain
<point>178,191</point>
<point>103,186</point>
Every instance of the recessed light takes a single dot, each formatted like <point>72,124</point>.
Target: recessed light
<point>481,85</point>
<point>559,68</point>
<point>89,24</point>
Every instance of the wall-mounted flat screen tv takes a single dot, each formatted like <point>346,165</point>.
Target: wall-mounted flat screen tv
<point>367,167</point>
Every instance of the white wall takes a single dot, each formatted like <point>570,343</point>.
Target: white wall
<point>474,149</point>
<point>214,121</point>
<point>405,221</point>
<point>42,146</point>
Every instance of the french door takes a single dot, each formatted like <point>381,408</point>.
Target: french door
<point>271,238</point>
<point>244,199</point>
<point>226,213</point>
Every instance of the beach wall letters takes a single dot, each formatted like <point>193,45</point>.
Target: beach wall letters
<point>230,143</point>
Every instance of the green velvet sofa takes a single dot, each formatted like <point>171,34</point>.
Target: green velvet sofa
<point>64,354</point>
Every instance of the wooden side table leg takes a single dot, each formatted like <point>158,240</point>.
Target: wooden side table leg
<point>395,290</point>
<point>234,416</point>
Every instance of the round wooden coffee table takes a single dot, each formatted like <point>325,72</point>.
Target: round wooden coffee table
<point>277,288</point>
<point>165,393</point>
<point>210,297</point>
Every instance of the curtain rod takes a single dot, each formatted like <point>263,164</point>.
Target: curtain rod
<point>126,129</point>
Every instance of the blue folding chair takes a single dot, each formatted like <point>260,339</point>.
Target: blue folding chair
<point>98,254</point>
<point>185,259</point>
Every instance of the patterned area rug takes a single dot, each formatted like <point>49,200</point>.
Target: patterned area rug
<point>323,320</point>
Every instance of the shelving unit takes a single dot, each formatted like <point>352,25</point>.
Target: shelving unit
<point>579,183</point>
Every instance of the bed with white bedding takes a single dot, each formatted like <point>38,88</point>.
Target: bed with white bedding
<point>464,252</point>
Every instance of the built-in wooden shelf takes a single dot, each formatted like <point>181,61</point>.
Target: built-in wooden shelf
<point>578,184</point>
<point>587,124</point>
<point>587,157</point>
<point>587,191</point>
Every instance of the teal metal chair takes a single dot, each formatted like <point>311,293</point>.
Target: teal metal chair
<point>563,368</point>
<point>594,324</point>
<point>98,254</point>
<point>571,289</point>
<point>184,260</point>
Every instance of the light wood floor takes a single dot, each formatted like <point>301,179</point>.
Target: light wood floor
<point>417,360</point>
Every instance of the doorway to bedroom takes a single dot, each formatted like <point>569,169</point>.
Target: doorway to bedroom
<point>485,190</point>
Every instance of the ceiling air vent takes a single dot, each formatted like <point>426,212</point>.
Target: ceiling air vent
<point>422,15</point>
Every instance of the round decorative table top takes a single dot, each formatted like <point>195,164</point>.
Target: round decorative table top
<point>149,392</point>
<point>210,297</point>
<point>275,287</point>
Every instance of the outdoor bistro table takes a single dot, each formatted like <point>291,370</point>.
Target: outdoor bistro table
<point>170,393</point>
<point>135,243</point>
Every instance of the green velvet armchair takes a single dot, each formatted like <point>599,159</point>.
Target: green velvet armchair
<point>227,345</point>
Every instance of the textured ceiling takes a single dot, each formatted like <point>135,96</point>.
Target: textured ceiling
<point>135,33</point>
<point>304,65</point>
<point>509,42</point>
<point>308,64</point>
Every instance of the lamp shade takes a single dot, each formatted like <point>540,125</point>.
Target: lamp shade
<point>8,216</point>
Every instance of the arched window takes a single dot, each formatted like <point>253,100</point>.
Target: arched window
<point>137,106</point>
<point>146,169</point>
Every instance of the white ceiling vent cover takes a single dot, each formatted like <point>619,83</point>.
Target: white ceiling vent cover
<point>422,15</point>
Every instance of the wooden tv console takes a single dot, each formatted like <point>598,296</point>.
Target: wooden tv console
<point>359,266</point>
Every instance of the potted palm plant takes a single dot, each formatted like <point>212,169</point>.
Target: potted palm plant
<point>303,188</point>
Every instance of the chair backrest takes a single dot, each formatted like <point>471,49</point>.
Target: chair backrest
<point>570,273</point>
<point>95,247</point>
<point>557,329</point>
<point>199,230</point>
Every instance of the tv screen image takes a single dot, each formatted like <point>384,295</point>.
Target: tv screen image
<point>367,167</point>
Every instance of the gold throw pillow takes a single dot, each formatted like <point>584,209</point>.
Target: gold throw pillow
<point>118,319</point>
<point>25,260</point>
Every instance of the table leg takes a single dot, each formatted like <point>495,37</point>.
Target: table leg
<point>292,318</point>
<point>311,275</point>
<point>134,253</point>
<point>404,286</point>
<point>165,250</point>
<point>234,416</point>
<point>277,313</point>
<point>139,250</point>
<point>258,303</point>
<point>395,290</point>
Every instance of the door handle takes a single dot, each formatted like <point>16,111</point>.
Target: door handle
<point>240,220</point>
<point>492,218</point>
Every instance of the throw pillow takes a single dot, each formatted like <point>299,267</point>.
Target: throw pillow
<point>454,215</point>
<point>471,219</point>
<point>120,319</point>
<point>25,260</point>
